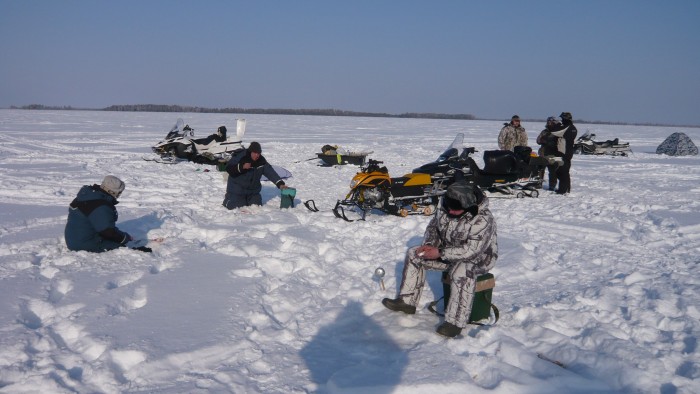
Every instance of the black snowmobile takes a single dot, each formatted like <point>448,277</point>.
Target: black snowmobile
<point>586,145</point>
<point>510,173</point>
<point>180,144</point>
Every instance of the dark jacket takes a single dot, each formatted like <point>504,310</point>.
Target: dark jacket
<point>569,139</point>
<point>566,139</point>
<point>92,218</point>
<point>548,142</point>
<point>242,181</point>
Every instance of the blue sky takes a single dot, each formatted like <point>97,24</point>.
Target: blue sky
<point>631,61</point>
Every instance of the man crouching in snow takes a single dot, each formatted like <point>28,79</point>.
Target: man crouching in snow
<point>460,238</point>
<point>92,218</point>
<point>245,170</point>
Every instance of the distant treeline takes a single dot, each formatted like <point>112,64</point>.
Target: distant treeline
<point>261,111</point>
<point>280,111</point>
<point>317,112</point>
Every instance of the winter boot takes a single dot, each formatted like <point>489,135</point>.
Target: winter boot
<point>399,305</point>
<point>448,330</point>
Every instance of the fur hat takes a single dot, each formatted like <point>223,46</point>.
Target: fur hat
<point>515,117</point>
<point>254,147</point>
<point>460,195</point>
<point>112,186</point>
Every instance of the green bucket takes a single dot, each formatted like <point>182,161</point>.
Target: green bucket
<point>287,197</point>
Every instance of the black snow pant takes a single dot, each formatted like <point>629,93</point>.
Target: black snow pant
<point>564,177</point>
<point>232,201</point>
<point>552,167</point>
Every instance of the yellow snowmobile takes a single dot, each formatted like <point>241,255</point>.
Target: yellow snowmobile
<point>373,188</point>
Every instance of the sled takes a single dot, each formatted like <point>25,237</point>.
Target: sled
<point>357,158</point>
<point>332,155</point>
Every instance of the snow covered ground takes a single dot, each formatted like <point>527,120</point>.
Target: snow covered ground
<point>604,280</point>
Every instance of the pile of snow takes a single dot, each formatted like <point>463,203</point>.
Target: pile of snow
<point>677,144</point>
<point>603,281</point>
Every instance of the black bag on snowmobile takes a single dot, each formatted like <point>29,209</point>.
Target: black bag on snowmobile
<point>500,162</point>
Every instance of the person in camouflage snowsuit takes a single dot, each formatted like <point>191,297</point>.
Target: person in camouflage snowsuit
<point>461,238</point>
<point>512,134</point>
<point>548,150</point>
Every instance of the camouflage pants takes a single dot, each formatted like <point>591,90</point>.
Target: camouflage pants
<point>462,286</point>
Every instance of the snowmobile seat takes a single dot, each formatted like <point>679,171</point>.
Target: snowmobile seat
<point>208,140</point>
<point>500,162</point>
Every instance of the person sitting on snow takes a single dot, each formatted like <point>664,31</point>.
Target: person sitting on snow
<point>461,238</point>
<point>512,134</point>
<point>92,218</point>
<point>245,170</point>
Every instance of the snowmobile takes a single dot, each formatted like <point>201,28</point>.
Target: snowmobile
<point>507,173</point>
<point>373,188</point>
<point>511,173</point>
<point>180,143</point>
<point>586,145</point>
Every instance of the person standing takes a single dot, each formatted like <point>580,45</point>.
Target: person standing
<point>92,218</point>
<point>548,150</point>
<point>512,134</point>
<point>461,238</point>
<point>565,146</point>
<point>245,170</point>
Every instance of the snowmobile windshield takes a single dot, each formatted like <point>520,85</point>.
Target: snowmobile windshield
<point>586,136</point>
<point>452,151</point>
<point>180,130</point>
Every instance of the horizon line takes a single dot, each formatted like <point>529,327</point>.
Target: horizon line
<point>309,112</point>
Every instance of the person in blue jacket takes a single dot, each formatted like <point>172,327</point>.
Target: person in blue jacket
<point>92,218</point>
<point>245,170</point>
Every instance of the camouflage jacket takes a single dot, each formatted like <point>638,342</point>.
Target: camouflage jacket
<point>467,239</point>
<point>511,136</point>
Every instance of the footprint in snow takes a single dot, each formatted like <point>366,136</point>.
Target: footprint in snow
<point>59,288</point>
<point>124,280</point>
<point>138,299</point>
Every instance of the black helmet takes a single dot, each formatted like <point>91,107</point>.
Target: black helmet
<point>566,116</point>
